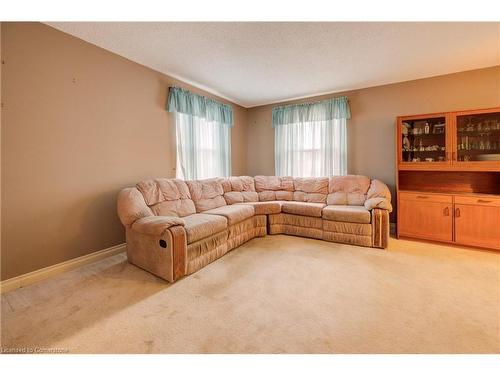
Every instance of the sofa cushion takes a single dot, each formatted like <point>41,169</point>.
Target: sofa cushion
<point>348,190</point>
<point>178,207</point>
<point>234,213</point>
<point>206,194</point>
<point>199,226</point>
<point>350,214</point>
<point>239,189</point>
<point>272,188</point>
<point>265,208</point>
<point>238,183</point>
<point>273,183</point>
<point>233,197</point>
<point>303,208</point>
<point>167,197</point>
<point>311,184</point>
<point>163,189</point>
<point>310,189</point>
<point>280,195</point>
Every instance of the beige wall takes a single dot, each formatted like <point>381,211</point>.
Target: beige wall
<point>79,123</point>
<point>371,131</point>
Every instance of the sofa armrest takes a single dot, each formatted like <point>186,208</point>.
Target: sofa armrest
<point>382,203</point>
<point>380,228</point>
<point>131,206</point>
<point>158,246</point>
<point>156,225</point>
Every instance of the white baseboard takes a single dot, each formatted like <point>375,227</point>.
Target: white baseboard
<point>44,273</point>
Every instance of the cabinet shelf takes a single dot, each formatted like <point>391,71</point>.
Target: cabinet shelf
<point>429,135</point>
<point>479,132</point>
<point>476,152</point>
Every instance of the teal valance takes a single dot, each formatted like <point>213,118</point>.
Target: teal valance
<point>184,101</point>
<point>325,110</point>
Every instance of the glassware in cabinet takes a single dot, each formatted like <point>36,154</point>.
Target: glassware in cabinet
<point>423,140</point>
<point>478,137</point>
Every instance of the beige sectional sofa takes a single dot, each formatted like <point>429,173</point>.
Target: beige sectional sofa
<point>174,227</point>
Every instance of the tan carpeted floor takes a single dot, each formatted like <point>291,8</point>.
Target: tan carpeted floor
<point>277,294</point>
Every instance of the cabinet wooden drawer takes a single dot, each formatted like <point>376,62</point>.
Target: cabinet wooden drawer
<point>478,200</point>
<point>425,197</point>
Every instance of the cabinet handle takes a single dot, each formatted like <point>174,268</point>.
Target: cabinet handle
<point>446,211</point>
<point>483,201</point>
<point>422,197</point>
<point>457,212</point>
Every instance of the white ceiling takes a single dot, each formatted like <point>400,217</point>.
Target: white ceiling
<point>252,63</point>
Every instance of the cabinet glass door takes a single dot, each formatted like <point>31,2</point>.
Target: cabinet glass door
<point>478,137</point>
<point>424,140</point>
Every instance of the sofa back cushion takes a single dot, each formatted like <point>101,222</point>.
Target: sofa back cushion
<point>349,190</point>
<point>310,189</point>
<point>272,188</point>
<point>207,194</point>
<point>167,197</point>
<point>239,189</point>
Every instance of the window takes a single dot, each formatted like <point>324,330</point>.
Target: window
<point>203,135</point>
<point>310,139</point>
<point>203,148</point>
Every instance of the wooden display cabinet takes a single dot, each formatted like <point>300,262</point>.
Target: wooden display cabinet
<point>448,177</point>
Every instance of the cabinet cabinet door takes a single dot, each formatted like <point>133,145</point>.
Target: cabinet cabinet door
<point>477,225</point>
<point>424,142</point>
<point>427,218</point>
<point>477,139</point>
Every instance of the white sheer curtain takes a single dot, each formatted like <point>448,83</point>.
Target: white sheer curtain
<point>311,149</point>
<point>203,147</point>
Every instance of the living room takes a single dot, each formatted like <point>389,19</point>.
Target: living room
<point>203,187</point>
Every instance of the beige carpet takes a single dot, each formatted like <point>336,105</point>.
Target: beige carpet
<point>276,294</point>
